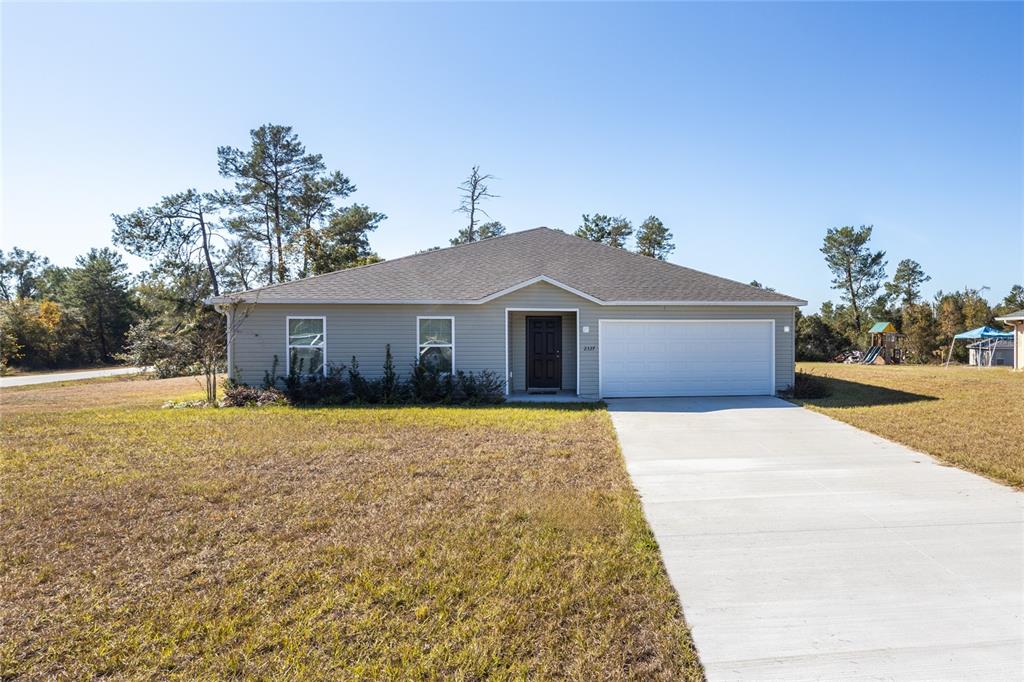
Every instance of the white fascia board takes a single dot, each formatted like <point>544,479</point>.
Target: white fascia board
<point>239,298</point>
<point>536,280</point>
<point>705,304</point>
<point>777,304</point>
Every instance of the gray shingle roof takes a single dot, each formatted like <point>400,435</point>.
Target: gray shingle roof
<point>1019,315</point>
<point>470,273</point>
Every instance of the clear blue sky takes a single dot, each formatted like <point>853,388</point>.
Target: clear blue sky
<point>749,129</point>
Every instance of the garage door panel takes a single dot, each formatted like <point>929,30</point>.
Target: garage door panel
<point>676,357</point>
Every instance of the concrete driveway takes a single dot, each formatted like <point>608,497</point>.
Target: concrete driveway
<point>804,548</point>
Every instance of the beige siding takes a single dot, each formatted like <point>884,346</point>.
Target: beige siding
<point>480,343</point>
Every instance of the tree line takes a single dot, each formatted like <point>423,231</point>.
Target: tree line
<point>285,215</point>
<point>867,296</point>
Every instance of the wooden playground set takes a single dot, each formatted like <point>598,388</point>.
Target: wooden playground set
<point>887,345</point>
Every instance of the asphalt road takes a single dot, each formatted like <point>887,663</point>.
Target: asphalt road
<point>77,375</point>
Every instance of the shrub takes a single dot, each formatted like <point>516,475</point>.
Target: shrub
<point>809,386</point>
<point>169,353</point>
<point>485,388</point>
<point>390,385</point>
<point>240,395</point>
<point>317,389</point>
<point>426,385</point>
<point>363,390</point>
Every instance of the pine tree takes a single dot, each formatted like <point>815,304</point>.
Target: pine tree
<point>653,239</point>
<point>605,229</point>
<point>857,271</point>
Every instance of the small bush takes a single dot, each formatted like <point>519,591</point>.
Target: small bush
<point>391,387</point>
<point>426,385</point>
<point>317,389</point>
<point>363,390</point>
<point>485,388</point>
<point>809,387</point>
<point>239,395</point>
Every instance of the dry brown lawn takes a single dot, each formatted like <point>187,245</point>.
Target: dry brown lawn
<point>967,416</point>
<point>344,543</point>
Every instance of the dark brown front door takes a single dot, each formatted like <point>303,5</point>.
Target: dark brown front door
<point>543,352</point>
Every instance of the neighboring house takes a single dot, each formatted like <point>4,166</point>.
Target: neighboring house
<point>1016,320</point>
<point>991,353</point>
<point>545,310</point>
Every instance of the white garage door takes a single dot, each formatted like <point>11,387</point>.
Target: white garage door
<point>686,358</point>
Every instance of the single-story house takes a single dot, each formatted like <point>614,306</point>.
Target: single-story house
<point>545,310</point>
<point>1016,320</point>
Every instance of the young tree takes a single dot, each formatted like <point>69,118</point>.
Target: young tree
<point>20,271</point>
<point>485,231</point>
<point>270,174</point>
<point>653,239</point>
<point>474,190</point>
<point>857,271</point>
<point>605,229</point>
<point>344,242</point>
<point>178,228</point>
<point>905,287</point>
<point>98,290</point>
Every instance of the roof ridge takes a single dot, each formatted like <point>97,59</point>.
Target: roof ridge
<point>393,260</point>
<point>622,249</point>
<point>533,252</point>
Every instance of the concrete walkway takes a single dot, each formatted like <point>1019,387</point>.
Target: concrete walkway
<point>52,377</point>
<point>804,548</point>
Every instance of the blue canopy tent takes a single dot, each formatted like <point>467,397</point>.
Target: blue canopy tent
<point>981,333</point>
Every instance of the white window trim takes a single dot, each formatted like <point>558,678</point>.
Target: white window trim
<point>420,345</point>
<point>288,346</point>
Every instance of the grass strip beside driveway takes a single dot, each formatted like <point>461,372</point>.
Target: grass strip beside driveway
<point>969,417</point>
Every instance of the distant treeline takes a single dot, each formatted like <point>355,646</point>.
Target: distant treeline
<point>284,217</point>
<point>868,296</point>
